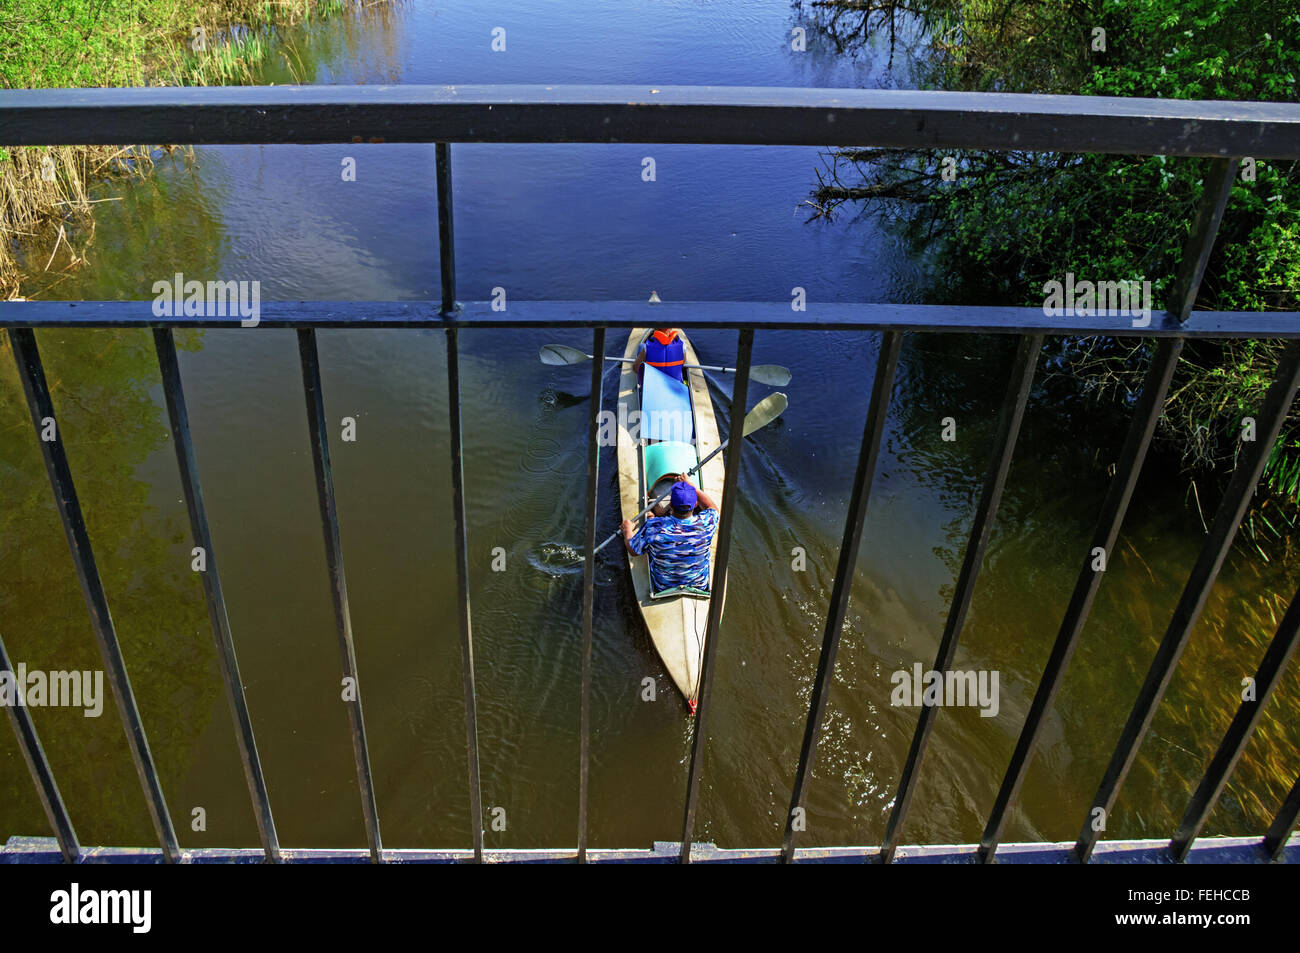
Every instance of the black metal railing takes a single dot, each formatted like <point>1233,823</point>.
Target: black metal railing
<point>1224,131</point>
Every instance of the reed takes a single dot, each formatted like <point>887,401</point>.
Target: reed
<point>45,202</point>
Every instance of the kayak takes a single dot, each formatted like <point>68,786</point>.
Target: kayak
<point>665,428</point>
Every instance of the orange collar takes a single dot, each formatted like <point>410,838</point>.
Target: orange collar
<point>665,337</point>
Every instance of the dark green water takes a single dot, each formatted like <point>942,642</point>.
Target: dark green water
<point>719,223</point>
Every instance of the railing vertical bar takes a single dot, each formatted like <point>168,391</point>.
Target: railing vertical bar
<point>329,514</point>
<point>462,588</point>
<point>1200,241</point>
<point>882,389</point>
<point>187,463</point>
<point>1280,830</point>
<point>731,479</point>
<point>1239,731</point>
<point>446,241</point>
<point>1013,412</point>
<point>42,774</point>
<point>1223,530</point>
<point>74,526</point>
<point>1129,466</point>
<point>589,588</point>
<point>447,271</point>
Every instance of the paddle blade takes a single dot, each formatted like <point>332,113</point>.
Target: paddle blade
<point>773,375</point>
<point>557,354</point>
<point>764,412</point>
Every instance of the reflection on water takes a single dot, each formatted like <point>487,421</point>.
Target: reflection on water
<point>116,439</point>
<point>719,223</point>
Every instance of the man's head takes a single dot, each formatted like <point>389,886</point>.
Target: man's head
<point>683,499</point>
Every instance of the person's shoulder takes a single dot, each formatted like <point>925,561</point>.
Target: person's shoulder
<point>701,522</point>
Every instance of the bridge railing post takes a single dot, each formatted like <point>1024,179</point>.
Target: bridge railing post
<point>589,587</point>
<point>730,480</point>
<point>187,464</point>
<point>1200,240</point>
<point>316,425</point>
<point>1004,443</point>
<point>448,310</point>
<point>1239,732</point>
<point>41,407</point>
<point>1145,417</point>
<point>1280,830</point>
<point>1232,509</point>
<point>47,789</point>
<point>882,389</point>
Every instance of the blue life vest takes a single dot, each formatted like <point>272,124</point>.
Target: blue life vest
<point>664,350</point>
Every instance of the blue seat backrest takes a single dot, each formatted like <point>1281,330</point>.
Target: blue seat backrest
<point>665,408</point>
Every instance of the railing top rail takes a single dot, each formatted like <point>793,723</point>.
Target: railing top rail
<point>645,114</point>
<point>755,315</point>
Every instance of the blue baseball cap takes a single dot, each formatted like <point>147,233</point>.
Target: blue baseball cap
<point>684,496</point>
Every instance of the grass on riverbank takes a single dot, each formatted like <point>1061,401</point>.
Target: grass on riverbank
<point>45,191</point>
<point>81,43</point>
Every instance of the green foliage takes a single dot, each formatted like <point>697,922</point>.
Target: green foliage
<point>1200,49</point>
<point>66,43</point>
<point>79,43</point>
<point>75,43</point>
<point>1283,472</point>
<point>1014,221</point>
<point>1211,49</point>
<point>1216,49</point>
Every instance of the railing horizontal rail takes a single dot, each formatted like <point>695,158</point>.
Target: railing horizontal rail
<point>645,114</point>
<point>729,315</point>
<point>1212,850</point>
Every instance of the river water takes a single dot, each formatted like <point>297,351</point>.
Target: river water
<point>579,222</point>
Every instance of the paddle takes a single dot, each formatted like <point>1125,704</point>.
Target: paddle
<point>559,354</point>
<point>764,412</point>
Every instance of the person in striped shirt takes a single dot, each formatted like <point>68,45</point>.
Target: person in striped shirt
<point>678,543</point>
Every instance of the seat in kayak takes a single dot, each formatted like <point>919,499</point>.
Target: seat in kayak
<point>668,457</point>
<point>665,408</point>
